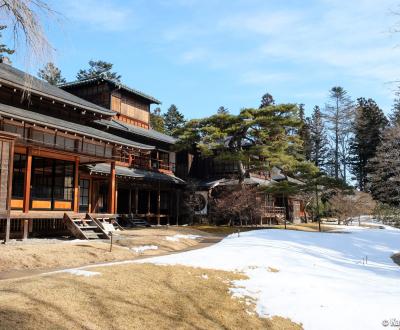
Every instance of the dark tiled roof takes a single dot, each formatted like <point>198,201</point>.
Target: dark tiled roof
<point>116,84</point>
<point>37,118</point>
<point>210,184</point>
<point>135,173</point>
<point>20,79</point>
<point>149,133</point>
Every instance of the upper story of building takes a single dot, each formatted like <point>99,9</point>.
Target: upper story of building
<point>130,105</point>
<point>95,118</point>
<point>132,115</point>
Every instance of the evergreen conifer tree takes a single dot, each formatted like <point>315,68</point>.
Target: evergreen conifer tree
<point>368,126</point>
<point>339,115</point>
<point>304,132</point>
<point>98,69</point>
<point>266,100</point>
<point>173,120</point>
<point>3,48</point>
<point>157,120</point>
<point>51,74</point>
<point>385,168</point>
<point>319,140</point>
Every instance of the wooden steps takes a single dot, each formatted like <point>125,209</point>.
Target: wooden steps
<point>108,224</point>
<point>84,227</point>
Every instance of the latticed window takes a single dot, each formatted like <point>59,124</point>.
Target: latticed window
<point>18,176</point>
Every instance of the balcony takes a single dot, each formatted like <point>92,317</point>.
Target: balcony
<point>152,164</point>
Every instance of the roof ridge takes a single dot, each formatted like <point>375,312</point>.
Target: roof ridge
<point>16,77</point>
<point>115,82</point>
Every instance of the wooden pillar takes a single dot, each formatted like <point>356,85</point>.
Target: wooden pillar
<point>9,191</point>
<point>158,204</point>
<point>136,200</point>
<point>148,202</point>
<point>25,229</point>
<point>111,189</point>
<point>27,181</point>
<point>76,185</point>
<point>177,207</point>
<point>130,201</point>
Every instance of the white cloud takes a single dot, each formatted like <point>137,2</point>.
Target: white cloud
<point>353,37</point>
<point>263,78</point>
<point>99,14</point>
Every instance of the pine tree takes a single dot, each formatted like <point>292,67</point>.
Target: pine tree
<point>338,114</point>
<point>51,74</point>
<point>385,166</point>
<point>157,120</point>
<point>266,100</point>
<point>304,132</point>
<point>222,110</point>
<point>3,48</point>
<point>255,139</point>
<point>173,120</point>
<point>319,140</point>
<point>98,69</point>
<point>369,123</point>
<point>395,115</point>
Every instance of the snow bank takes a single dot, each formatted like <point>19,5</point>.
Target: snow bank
<point>141,249</point>
<point>81,272</point>
<point>323,280</point>
<point>178,237</point>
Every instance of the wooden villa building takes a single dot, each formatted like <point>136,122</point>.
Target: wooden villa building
<point>86,147</point>
<point>212,177</point>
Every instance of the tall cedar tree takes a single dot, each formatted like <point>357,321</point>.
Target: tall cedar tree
<point>395,115</point>
<point>338,114</point>
<point>385,177</point>
<point>255,139</point>
<point>98,69</point>
<point>173,120</point>
<point>266,101</point>
<point>319,140</point>
<point>3,48</point>
<point>368,126</point>
<point>157,120</point>
<point>305,133</point>
<point>51,74</point>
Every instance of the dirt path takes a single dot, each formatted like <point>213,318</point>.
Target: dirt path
<point>28,273</point>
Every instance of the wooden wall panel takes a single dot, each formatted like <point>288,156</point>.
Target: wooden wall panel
<point>62,205</point>
<point>17,203</point>
<point>38,205</point>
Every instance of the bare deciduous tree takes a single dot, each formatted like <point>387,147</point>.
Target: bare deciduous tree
<point>23,18</point>
<point>239,205</point>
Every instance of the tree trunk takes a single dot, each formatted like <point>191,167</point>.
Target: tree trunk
<point>242,172</point>
<point>337,140</point>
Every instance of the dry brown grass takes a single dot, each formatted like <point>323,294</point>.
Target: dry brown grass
<point>135,296</point>
<point>227,230</point>
<point>42,254</point>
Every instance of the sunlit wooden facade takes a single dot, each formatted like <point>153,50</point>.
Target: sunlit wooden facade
<point>78,154</point>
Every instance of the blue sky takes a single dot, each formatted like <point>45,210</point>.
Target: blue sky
<point>203,54</point>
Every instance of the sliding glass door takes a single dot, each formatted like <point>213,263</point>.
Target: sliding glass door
<point>52,184</point>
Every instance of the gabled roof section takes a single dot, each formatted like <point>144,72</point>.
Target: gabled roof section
<point>135,173</point>
<point>17,78</point>
<point>39,119</point>
<point>114,83</point>
<point>149,133</point>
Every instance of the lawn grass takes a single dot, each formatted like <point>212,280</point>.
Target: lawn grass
<point>227,230</point>
<point>135,296</point>
<point>48,254</point>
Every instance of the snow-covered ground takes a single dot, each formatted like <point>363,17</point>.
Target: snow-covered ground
<point>178,237</point>
<point>325,280</point>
